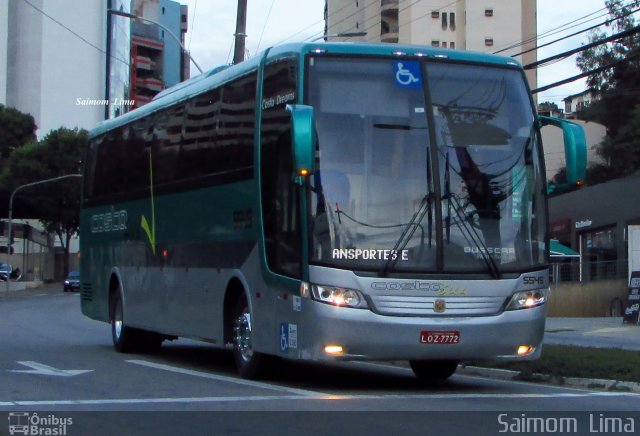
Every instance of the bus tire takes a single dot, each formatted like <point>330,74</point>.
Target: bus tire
<point>128,339</point>
<point>249,363</point>
<point>125,339</point>
<point>433,370</point>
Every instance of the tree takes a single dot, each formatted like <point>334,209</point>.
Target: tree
<point>56,205</point>
<point>618,106</point>
<point>16,130</point>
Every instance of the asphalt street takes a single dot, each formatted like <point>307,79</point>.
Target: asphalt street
<point>56,362</point>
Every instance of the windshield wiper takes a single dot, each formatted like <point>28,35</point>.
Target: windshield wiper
<point>409,231</point>
<point>472,236</point>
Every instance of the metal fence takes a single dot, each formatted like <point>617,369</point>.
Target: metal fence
<point>576,271</point>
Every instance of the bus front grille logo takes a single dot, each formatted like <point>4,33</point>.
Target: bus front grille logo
<point>439,306</point>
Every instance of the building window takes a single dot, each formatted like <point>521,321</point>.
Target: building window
<point>488,41</point>
<point>435,14</point>
<point>444,44</point>
<point>488,12</point>
<point>452,45</point>
<point>599,249</point>
<point>444,20</point>
<point>435,43</point>
<point>452,21</point>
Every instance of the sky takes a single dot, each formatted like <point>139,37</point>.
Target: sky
<point>270,22</point>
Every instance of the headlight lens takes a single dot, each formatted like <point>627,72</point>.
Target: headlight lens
<point>339,296</point>
<point>528,299</point>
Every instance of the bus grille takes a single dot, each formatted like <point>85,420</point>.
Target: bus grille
<point>87,292</point>
<point>398,305</point>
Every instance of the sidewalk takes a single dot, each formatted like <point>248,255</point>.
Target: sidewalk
<point>32,288</point>
<point>592,332</point>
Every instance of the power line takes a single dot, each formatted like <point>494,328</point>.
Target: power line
<point>604,23</point>
<point>266,21</point>
<point>553,31</point>
<point>568,53</point>
<point>585,74</point>
<point>193,23</point>
<point>75,34</point>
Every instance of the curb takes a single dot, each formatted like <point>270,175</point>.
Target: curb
<point>574,382</point>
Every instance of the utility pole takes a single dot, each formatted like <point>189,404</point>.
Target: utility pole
<point>241,28</point>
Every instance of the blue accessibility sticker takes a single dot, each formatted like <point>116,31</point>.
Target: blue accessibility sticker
<point>288,336</point>
<point>408,74</point>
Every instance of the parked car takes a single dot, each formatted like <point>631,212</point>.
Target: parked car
<point>6,270</point>
<point>72,282</point>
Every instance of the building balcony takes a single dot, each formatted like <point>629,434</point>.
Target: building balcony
<point>389,8</point>
<point>144,63</point>
<point>141,100</point>
<point>389,32</point>
<point>149,83</point>
<point>153,44</point>
<point>390,37</point>
<point>389,4</point>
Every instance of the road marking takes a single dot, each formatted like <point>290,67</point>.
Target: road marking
<point>223,378</point>
<point>427,396</point>
<point>42,369</point>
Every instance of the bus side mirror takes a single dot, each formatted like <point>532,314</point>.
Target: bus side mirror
<point>303,139</point>
<point>575,150</point>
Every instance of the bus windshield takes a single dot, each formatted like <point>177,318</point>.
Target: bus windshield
<point>425,167</point>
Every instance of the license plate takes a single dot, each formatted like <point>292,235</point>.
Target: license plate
<point>440,338</point>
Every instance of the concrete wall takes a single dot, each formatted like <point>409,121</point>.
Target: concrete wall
<point>592,299</point>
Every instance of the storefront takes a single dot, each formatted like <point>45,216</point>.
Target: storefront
<point>594,221</point>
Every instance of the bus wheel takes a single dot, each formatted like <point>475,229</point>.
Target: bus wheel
<point>128,339</point>
<point>433,370</point>
<point>250,364</point>
<point>124,338</point>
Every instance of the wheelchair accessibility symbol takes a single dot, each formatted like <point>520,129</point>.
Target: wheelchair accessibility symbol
<point>288,337</point>
<point>408,74</point>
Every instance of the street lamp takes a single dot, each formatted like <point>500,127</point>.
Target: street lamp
<point>340,35</point>
<point>15,191</point>
<point>166,29</point>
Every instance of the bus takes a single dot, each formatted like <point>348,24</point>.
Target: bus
<point>327,202</point>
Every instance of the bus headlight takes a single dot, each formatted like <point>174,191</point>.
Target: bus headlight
<point>339,296</point>
<point>528,299</point>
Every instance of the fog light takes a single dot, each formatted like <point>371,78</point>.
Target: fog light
<point>334,350</point>
<point>525,350</point>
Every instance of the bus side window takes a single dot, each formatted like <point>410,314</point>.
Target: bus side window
<point>280,203</point>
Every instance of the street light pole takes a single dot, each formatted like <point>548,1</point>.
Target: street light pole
<point>15,191</point>
<point>166,29</point>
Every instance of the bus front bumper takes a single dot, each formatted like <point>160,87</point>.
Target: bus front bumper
<point>360,334</point>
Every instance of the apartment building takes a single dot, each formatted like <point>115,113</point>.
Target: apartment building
<point>156,59</point>
<point>68,62</point>
<point>487,26</point>
<point>50,56</point>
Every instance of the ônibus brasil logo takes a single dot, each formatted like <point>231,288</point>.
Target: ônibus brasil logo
<point>32,424</point>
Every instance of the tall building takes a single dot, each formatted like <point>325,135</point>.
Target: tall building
<point>486,26</point>
<point>156,59</point>
<point>69,63</point>
<point>52,60</point>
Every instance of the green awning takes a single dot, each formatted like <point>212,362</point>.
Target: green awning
<point>556,249</point>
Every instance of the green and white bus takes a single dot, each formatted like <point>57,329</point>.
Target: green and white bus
<point>327,201</point>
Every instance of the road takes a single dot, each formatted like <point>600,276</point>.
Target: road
<point>55,361</point>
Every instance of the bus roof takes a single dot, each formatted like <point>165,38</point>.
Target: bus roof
<point>220,75</point>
